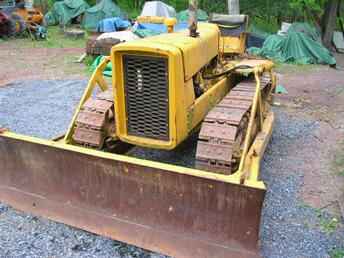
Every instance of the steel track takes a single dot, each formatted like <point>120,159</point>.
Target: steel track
<point>223,130</point>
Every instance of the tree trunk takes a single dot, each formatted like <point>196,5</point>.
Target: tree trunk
<point>233,7</point>
<point>329,22</point>
<point>339,11</point>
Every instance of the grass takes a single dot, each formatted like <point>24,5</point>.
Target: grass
<point>337,253</point>
<point>55,39</point>
<point>327,224</point>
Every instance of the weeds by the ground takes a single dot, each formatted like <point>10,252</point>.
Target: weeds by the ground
<point>337,253</point>
<point>327,224</point>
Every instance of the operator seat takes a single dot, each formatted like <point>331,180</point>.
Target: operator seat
<point>233,32</point>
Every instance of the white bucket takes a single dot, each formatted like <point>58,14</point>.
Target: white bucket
<point>285,27</point>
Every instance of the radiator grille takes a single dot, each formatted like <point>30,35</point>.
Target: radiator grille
<point>146,92</point>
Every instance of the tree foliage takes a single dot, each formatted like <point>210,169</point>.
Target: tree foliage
<point>310,10</point>
<point>267,13</point>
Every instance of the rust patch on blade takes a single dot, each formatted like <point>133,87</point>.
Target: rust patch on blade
<point>156,209</point>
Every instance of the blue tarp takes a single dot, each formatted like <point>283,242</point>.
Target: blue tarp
<point>112,24</point>
<point>161,28</point>
<point>150,29</point>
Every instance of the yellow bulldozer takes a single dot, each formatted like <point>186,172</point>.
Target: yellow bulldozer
<point>164,89</point>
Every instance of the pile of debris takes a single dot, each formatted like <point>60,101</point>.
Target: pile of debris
<point>20,16</point>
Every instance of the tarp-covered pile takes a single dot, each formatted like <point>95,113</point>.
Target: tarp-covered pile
<point>105,9</point>
<point>158,8</point>
<point>301,45</point>
<point>112,24</point>
<point>63,12</point>
<point>183,16</point>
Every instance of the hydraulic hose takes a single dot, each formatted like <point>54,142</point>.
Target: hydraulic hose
<point>214,76</point>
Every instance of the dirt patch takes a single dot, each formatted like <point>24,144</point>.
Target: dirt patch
<point>318,94</point>
<point>39,63</point>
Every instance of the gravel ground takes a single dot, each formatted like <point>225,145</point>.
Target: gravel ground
<point>290,228</point>
<point>39,108</point>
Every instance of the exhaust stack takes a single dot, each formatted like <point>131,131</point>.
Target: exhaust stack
<point>193,18</point>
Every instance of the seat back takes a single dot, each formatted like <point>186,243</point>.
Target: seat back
<point>233,32</point>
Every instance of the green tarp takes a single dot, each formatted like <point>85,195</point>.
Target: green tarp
<point>97,61</point>
<point>183,16</point>
<point>63,12</point>
<point>306,29</point>
<point>105,9</point>
<point>299,46</point>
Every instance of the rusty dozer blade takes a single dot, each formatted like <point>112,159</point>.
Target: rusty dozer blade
<point>173,210</point>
